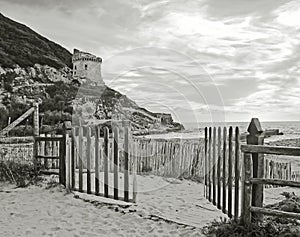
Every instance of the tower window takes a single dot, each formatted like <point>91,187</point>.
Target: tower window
<point>75,68</point>
<point>85,66</point>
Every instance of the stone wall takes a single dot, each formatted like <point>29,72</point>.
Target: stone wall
<point>22,153</point>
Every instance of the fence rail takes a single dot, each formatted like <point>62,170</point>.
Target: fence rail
<point>254,181</point>
<point>275,150</point>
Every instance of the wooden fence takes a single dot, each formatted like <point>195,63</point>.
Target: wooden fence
<point>102,165</point>
<point>175,158</point>
<point>295,176</point>
<point>222,169</point>
<point>254,178</point>
<point>277,170</point>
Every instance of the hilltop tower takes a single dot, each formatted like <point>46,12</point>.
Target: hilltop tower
<point>87,67</point>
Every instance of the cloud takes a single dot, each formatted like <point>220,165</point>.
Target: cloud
<point>213,58</point>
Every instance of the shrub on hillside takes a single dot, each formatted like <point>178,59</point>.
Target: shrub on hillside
<point>21,130</point>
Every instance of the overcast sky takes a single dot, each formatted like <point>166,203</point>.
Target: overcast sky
<point>200,60</point>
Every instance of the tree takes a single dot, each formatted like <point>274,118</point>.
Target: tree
<point>3,116</point>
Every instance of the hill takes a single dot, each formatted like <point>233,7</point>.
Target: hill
<point>21,45</point>
<point>34,69</point>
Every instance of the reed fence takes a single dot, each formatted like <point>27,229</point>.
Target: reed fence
<point>171,157</point>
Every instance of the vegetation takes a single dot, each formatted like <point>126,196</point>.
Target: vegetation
<point>18,173</point>
<point>21,45</point>
<point>269,227</point>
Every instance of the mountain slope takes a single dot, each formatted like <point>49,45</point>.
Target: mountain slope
<point>21,45</point>
<point>33,69</point>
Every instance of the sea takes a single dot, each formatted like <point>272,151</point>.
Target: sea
<point>290,129</point>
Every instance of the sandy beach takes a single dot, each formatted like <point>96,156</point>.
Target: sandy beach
<point>37,211</point>
<point>177,208</point>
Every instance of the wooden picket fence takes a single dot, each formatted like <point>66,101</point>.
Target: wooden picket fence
<point>222,169</point>
<point>101,165</point>
<point>254,177</point>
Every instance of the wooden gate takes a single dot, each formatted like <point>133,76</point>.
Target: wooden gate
<point>49,153</point>
<point>222,169</point>
<point>100,162</point>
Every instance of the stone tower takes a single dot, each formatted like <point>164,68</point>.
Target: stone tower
<point>87,67</point>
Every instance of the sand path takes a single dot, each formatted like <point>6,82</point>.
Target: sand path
<point>36,211</point>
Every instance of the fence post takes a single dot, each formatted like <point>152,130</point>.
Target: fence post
<point>256,137</point>
<point>67,129</point>
<point>246,194</point>
<point>36,133</point>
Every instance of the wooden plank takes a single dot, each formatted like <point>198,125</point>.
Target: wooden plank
<point>102,200</point>
<point>237,173</point>
<point>126,166</point>
<point>205,164</point>
<point>80,148</point>
<point>17,121</point>
<point>230,163</point>
<point>209,164</point>
<point>50,172</point>
<point>110,198</point>
<point>256,137</point>
<point>224,170</point>
<point>97,158</point>
<point>46,152</point>
<point>275,150</point>
<point>280,182</point>
<point>116,162</point>
<point>62,154</point>
<point>247,190</point>
<point>48,157</point>
<point>214,166</point>
<point>67,162</point>
<point>272,212</point>
<point>219,169</point>
<point>106,144</point>
<point>49,139</point>
<point>88,161</point>
<point>135,155</point>
<point>73,158</point>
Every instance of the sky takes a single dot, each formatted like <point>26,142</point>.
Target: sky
<point>201,60</point>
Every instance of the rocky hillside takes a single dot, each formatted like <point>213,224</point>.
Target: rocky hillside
<point>35,69</point>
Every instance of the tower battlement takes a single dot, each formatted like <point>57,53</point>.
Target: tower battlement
<point>87,59</point>
<point>87,67</point>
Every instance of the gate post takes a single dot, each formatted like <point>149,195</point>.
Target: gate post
<point>36,130</point>
<point>256,137</point>
<point>67,129</point>
<point>36,133</point>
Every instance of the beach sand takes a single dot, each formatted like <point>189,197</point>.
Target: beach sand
<point>36,211</point>
<point>165,207</point>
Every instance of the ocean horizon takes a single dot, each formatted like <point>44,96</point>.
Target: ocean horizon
<point>290,129</point>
